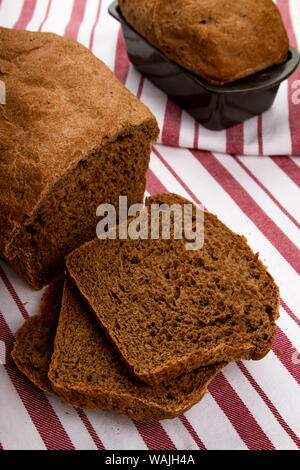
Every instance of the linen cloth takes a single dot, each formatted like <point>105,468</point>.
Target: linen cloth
<point>249,176</point>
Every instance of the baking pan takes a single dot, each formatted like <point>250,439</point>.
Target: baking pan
<point>215,107</point>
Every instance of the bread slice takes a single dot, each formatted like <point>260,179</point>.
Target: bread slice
<point>219,41</point>
<point>168,310</point>
<point>71,137</point>
<point>34,340</point>
<point>86,371</point>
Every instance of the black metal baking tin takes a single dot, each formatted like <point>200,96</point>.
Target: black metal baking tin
<point>215,107</point>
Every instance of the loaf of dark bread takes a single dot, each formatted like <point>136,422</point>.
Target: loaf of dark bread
<point>168,310</point>
<point>71,137</point>
<point>86,371</point>
<point>219,40</point>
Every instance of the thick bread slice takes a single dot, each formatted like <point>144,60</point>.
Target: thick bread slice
<point>86,371</point>
<point>168,310</point>
<point>218,40</point>
<point>71,137</point>
<point>34,340</point>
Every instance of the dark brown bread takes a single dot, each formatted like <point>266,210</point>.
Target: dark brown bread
<point>87,373</point>
<point>219,40</point>
<point>34,340</point>
<point>71,138</point>
<point>168,310</point>
<point>86,370</point>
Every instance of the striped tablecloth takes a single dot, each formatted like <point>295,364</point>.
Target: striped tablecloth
<point>249,176</point>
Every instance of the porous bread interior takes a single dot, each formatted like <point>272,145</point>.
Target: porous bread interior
<point>67,216</point>
<point>34,340</point>
<point>86,370</point>
<point>168,310</point>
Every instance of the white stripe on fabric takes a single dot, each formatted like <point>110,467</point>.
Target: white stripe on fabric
<point>87,24</point>
<point>38,15</point>
<point>295,18</point>
<point>275,125</point>
<point>296,160</point>
<point>133,80</point>
<point>213,140</point>
<point>181,438</point>
<point>29,297</point>
<point>251,146</point>
<point>73,425</point>
<point>59,16</point>
<point>280,387</point>
<point>213,427</point>
<point>187,130</point>
<point>105,37</point>
<point>156,101</point>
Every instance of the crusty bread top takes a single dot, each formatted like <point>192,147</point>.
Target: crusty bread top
<point>62,103</point>
<point>84,364</point>
<point>220,40</point>
<point>168,310</point>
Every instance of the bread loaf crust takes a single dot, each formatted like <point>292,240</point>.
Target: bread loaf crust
<point>219,40</point>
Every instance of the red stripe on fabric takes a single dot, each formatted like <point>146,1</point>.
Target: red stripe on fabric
<point>238,414</point>
<point>46,15</point>
<point>294,109</point>
<point>121,65</point>
<point>90,429</point>
<point>286,352</point>
<point>235,139</point>
<point>26,14</point>
<point>249,206</point>
<point>288,166</point>
<point>192,432</point>
<point>37,405</point>
<point>260,135</point>
<point>13,293</point>
<point>187,189</point>
<point>154,436</point>
<point>153,184</point>
<point>72,28</point>
<point>289,312</point>
<point>94,26</point>
<point>267,192</point>
<point>269,404</point>
<point>172,121</point>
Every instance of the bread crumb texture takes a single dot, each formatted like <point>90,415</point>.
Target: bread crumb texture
<point>219,40</point>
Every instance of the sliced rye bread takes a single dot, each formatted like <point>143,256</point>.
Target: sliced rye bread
<point>168,310</point>
<point>34,340</point>
<point>87,372</point>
